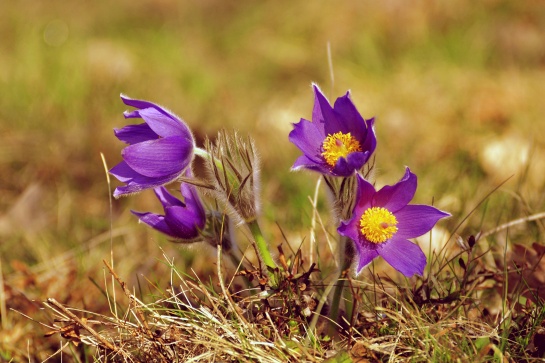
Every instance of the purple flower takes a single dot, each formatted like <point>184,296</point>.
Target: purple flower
<point>159,150</point>
<point>382,222</point>
<point>338,141</point>
<point>182,221</point>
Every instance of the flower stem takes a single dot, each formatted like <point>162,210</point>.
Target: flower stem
<point>345,262</point>
<point>262,247</point>
<point>201,152</point>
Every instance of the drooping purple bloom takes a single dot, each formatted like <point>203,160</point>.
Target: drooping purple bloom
<point>338,141</point>
<point>383,221</point>
<point>159,150</point>
<point>182,221</point>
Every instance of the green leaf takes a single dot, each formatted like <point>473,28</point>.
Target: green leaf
<point>341,357</point>
<point>481,342</point>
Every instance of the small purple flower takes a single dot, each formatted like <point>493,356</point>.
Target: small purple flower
<point>382,222</point>
<point>182,221</point>
<point>338,141</point>
<point>159,150</point>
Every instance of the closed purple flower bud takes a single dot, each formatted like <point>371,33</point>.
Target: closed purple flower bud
<point>182,221</point>
<point>338,141</point>
<point>383,221</point>
<point>159,151</point>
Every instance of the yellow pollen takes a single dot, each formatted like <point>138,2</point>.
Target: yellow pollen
<point>378,224</point>
<point>339,145</point>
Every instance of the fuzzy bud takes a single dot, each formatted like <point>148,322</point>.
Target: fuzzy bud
<point>233,171</point>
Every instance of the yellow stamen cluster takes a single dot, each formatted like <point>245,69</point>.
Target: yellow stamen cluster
<point>339,145</point>
<point>378,224</point>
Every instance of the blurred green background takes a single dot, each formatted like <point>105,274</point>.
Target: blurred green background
<point>456,87</point>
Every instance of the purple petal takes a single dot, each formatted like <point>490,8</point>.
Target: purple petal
<point>192,200</point>
<point>415,220</point>
<point>141,183</point>
<point>364,196</point>
<point>155,221</point>
<point>164,126</point>
<point>323,115</point>
<point>135,181</point>
<point>349,229</point>
<point>123,172</point>
<point>367,252</point>
<point>184,225</point>
<point>167,199</point>
<point>133,134</point>
<point>351,119</point>
<point>304,162</point>
<point>348,166</point>
<point>140,104</point>
<point>370,141</point>
<point>403,255</point>
<point>307,137</point>
<point>361,129</point>
<point>397,196</point>
<point>157,158</point>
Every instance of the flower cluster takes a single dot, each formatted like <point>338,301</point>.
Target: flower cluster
<point>338,142</point>
<point>160,152</point>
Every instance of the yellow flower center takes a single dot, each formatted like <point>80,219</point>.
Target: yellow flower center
<point>339,145</point>
<point>378,224</point>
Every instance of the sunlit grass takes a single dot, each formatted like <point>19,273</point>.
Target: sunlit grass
<point>445,82</point>
<point>467,307</point>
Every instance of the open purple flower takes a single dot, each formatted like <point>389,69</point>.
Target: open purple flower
<point>338,141</point>
<point>382,222</point>
<point>159,150</point>
<point>182,221</point>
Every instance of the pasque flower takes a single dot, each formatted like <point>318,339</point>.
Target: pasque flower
<point>183,220</point>
<point>382,222</point>
<point>159,150</point>
<point>338,140</point>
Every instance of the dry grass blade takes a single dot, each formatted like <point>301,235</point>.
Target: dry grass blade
<point>81,323</point>
<point>190,323</point>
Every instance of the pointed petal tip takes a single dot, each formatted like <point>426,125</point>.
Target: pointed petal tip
<point>125,98</point>
<point>138,214</point>
<point>317,90</point>
<point>444,214</point>
<point>408,173</point>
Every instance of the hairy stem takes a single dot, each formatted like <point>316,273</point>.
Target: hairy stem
<point>345,262</point>
<point>201,152</point>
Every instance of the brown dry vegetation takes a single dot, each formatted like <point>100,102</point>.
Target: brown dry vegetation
<point>457,88</point>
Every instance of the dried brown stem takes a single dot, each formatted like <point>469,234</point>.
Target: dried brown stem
<point>85,326</point>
